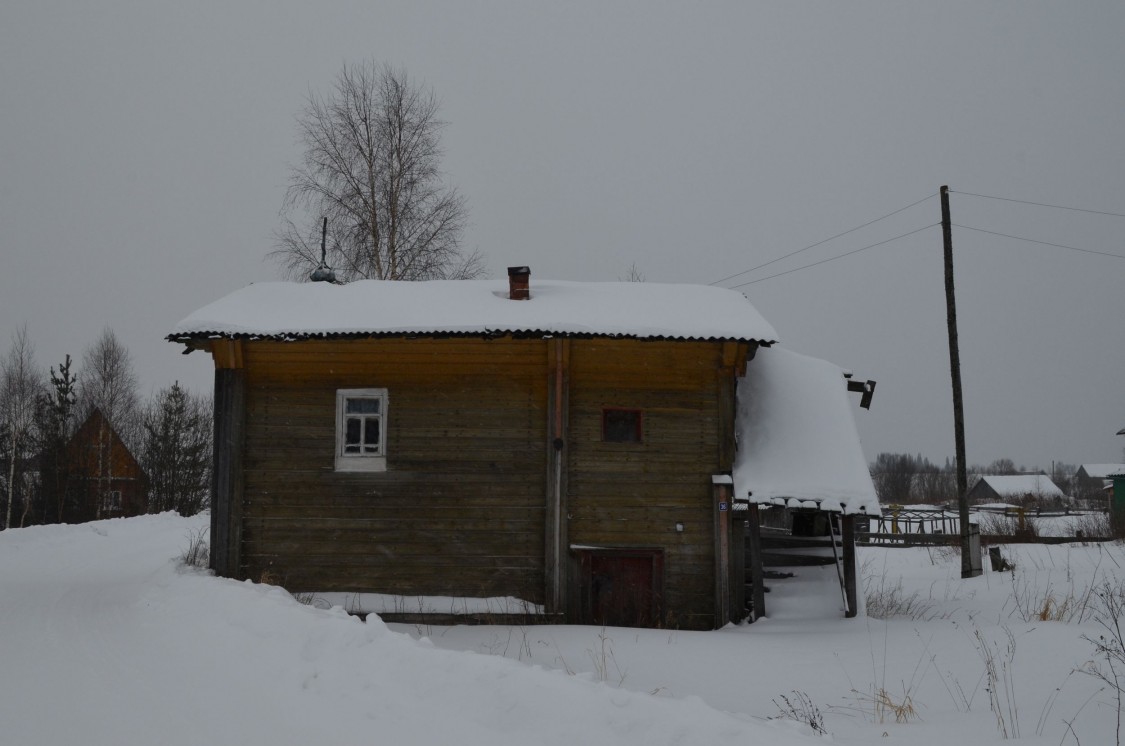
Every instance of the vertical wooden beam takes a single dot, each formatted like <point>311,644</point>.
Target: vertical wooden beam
<point>754,542</point>
<point>555,544</point>
<point>728,406</point>
<point>847,530</point>
<point>738,567</point>
<point>226,478</point>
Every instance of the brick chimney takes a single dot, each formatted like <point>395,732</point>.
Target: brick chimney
<point>518,281</point>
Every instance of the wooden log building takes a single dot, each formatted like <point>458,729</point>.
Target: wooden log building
<point>553,442</point>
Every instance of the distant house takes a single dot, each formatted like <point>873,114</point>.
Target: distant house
<point>105,480</point>
<point>1014,488</point>
<point>1091,480</point>
<point>567,445</point>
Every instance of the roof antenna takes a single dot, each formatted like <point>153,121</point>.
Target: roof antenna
<point>322,273</point>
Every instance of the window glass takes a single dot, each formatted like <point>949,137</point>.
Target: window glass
<point>363,406</point>
<point>621,425</point>
<point>371,434</point>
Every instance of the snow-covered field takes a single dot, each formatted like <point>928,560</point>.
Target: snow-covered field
<point>106,639</point>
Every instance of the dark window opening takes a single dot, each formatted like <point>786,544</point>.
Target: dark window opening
<point>622,426</point>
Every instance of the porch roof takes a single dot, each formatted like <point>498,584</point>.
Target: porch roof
<point>797,440</point>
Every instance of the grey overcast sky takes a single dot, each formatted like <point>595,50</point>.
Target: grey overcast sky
<point>144,149</point>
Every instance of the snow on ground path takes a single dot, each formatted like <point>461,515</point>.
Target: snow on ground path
<point>934,654</point>
<point>106,641</point>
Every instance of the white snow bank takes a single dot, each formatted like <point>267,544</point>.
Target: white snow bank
<point>797,439</point>
<point>634,309</point>
<point>106,641</point>
<point>383,603</point>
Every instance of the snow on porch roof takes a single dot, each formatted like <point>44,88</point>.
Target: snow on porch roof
<point>797,440</point>
<point>470,307</point>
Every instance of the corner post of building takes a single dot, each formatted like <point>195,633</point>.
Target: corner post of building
<point>721,487</point>
<point>555,544</point>
<point>730,593</point>
<point>847,530</point>
<point>226,478</point>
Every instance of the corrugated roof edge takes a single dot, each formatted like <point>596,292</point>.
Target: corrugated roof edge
<point>185,338</point>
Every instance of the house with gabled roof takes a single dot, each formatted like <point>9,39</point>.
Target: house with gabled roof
<point>104,479</point>
<point>566,446</point>
<point>1013,488</point>
<point>1094,480</point>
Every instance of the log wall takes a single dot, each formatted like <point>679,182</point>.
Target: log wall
<point>459,510</point>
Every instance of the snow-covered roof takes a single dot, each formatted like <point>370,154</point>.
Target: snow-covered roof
<point>1102,471</point>
<point>797,439</point>
<point>1019,485</point>
<point>469,307</point>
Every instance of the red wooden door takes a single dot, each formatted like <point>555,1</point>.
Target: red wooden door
<point>624,588</point>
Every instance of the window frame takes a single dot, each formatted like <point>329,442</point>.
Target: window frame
<point>639,427</point>
<point>361,462</point>
<point>112,501</point>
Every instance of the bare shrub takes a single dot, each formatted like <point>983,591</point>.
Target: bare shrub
<point>1091,525</point>
<point>1110,645</point>
<point>1005,524</point>
<point>198,552</point>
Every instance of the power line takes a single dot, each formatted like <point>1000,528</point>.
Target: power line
<point>818,243</point>
<point>1042,204</point>
<point>834,258</point>
<point>1043,243</point>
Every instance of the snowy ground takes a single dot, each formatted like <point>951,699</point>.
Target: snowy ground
<point>107,640</point>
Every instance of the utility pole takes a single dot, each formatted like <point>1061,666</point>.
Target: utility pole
<point>955,374</point>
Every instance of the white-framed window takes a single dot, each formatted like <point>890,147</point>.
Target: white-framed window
<point>361,430</point>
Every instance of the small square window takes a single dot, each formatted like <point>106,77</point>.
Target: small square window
<point>622,426</point>
<point>111,501</point>
<point>361,429</point>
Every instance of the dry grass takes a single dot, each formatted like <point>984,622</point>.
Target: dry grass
<point>801,708</point>
<point>1002,524</point>
<point>198,552</point>
<point>885,705</point>
<point>886,601</point>
<point>1031,603</point>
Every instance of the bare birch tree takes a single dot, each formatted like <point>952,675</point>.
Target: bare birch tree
<point>20,386</point>
<point>371,166</point>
